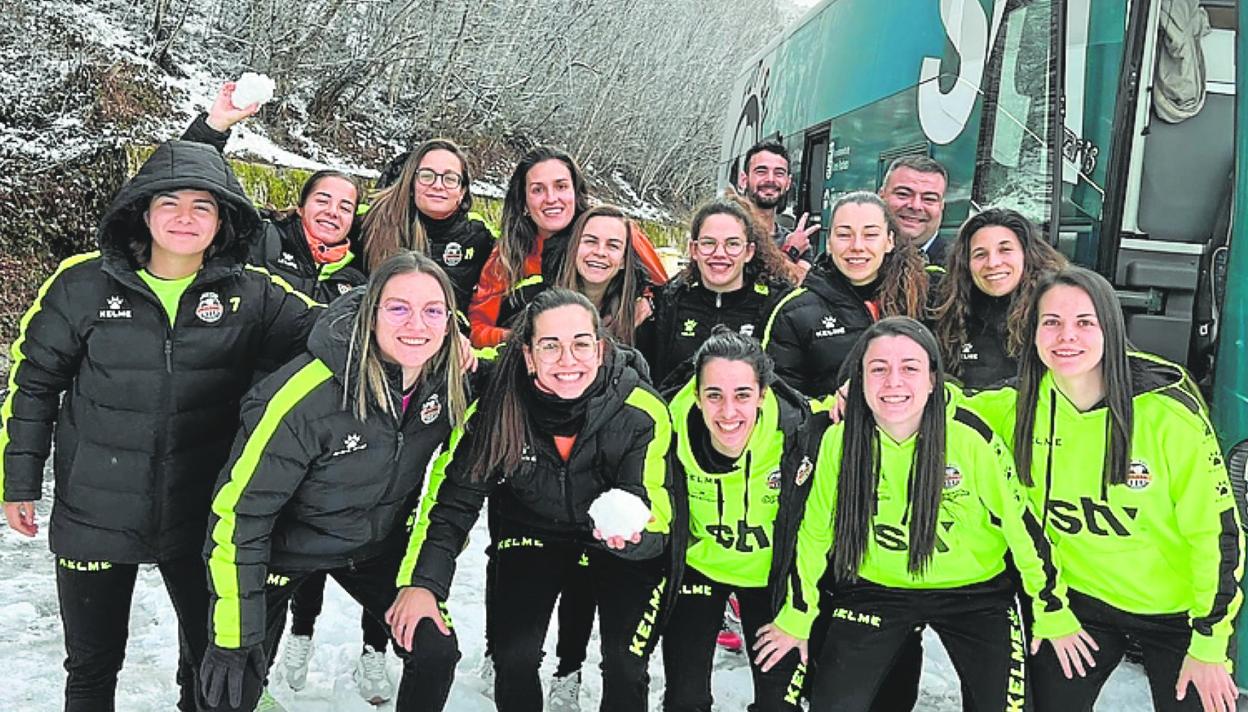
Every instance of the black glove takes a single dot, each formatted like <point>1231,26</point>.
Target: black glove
<point>225,668</point>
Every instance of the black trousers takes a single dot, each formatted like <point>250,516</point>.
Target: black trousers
<point>306,605</point>
<point>530,572</point>
<point>868,626</point>
<point>428,670</point>
<point>576,610</point>
<point>95,613</point>
<point>1164,640</point>
<point>689,648</point>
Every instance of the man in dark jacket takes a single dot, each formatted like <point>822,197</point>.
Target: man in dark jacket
<point>152,341</point>
<point>914,189</point>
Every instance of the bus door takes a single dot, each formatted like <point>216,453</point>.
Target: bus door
<point>813,193</point>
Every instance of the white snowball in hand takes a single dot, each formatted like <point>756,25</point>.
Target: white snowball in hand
<point>252,88</point>
<point>619,513</point>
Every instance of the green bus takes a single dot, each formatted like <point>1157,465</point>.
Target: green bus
<point>1049,107</point>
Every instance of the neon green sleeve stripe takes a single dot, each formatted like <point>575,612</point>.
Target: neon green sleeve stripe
<point>527,282</point>
<point>478,217</point>
<point>285,285</point>
<point>437,475</point>
<point>18,356</point>
<point>771,320</point>
<point>222,561</point>
<point>654,471</point>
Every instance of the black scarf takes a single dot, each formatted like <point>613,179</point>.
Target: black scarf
<point>555,416</point>
<point>708,458</point>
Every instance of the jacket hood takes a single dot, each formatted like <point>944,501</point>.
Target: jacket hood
<point>330,339</point>
<point>623,370</point>
<point>179,165</point>
<point>1151,373</point>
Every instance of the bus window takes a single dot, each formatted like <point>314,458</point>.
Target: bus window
<point>1012,162</point>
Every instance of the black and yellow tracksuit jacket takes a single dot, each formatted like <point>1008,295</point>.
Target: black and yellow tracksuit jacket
<point>623,444</point>
<point>309,486</point>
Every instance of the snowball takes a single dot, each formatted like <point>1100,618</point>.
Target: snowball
<point>619,513</point>
<point>252,88</point>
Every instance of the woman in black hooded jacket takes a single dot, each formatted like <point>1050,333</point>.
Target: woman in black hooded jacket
<point>137,356</point>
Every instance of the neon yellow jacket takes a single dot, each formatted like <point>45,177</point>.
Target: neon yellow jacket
<point>982,514</point>
<point>1167,541</point>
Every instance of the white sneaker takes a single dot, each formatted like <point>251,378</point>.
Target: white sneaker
<point>295,657</point>
<point>565,693</point>
<point>371,677</point>
<point>266,703</point>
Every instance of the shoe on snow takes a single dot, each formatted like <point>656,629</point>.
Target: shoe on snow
<point>295,657</point>
<point>729,640</point>
<point>565,693</point>
<point>485,673</point>
<point>371,677</point>
<point>266,703</point>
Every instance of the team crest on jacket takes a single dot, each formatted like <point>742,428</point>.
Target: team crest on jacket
<point>1138,476</point>
<point>343,288</point>
<point>452,254</point>
<point>804,470</point>
<point>747,330</point>
<point>430,409</point>
<point>351,443</point>
<point>773,480</point>
<point>115,308</point>
<point>210,309</point>
<point>953,477</point>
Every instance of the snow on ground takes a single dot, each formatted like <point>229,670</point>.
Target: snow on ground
<point>32,648</point>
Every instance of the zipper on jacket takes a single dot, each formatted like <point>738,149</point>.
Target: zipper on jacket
<point>398,447</point>
<point>565,488</point>
<point>168,355</point>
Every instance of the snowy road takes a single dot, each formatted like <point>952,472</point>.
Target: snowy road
<point>32,651</point>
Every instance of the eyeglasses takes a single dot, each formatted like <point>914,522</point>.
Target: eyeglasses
<point>733,246</point>
<point>551,350</point>
<point>428,176</point>
<point>397,313</point>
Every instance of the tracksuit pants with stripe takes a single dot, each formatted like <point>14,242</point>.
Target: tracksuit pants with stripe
<point>529,574</point>
<point>868,626</point>
<point>689,648</point>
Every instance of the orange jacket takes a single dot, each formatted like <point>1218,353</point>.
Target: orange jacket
<point>493,287</point>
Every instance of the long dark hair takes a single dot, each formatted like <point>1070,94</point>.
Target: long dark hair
<point>519,231</point>
<point>619,302</point>
<point>393,222</point>
<point>768,265</point>
<point>953,305</point>
<point>502,420</point>
<point>903,272</point>
<point>1115,372</point>
<point>858,486</point>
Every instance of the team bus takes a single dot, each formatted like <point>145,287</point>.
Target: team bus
<point>1050,107</point>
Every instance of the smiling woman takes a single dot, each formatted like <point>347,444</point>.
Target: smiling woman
<point>992,270</point>
<point>565,419</point>
<point>867,273</point>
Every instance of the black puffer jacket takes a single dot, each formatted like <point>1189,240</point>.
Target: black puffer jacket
<point>460,244</point>
<point>984,359</point>
<point>814,330</point>
<point>149,409</point>
<point>685,312</point>
<point>308,485</point>
<point>623,445</point>
<point>281,248</point>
